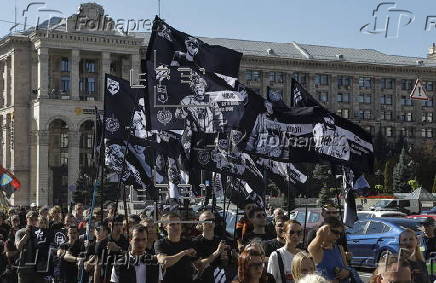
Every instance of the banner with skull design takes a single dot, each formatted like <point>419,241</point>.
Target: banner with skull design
<point>180,94</point>
<point>213,153</point>
<point>124,109</point>
<point>170,47</point>
<point>309,134</point>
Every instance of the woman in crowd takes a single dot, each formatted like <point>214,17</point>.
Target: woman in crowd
<point>302,264</point>
<point>279,263</point>
<point>251,267</point>
<point>409,245</point>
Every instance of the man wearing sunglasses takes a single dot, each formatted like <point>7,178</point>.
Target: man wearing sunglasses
<point>137,266</point>
<point>328,210</point>
<point>211,249</point>
<point>257,218</point>
<point>279,263</point>
<point>328,256</point>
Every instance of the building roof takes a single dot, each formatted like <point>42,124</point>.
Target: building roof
<point>294,50</point>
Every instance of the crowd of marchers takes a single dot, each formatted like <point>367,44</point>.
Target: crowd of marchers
<point>49,245</point>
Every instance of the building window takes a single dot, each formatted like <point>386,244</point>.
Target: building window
<point>343,97</point>
<point>427,117</point>
<point>406,101</point>
<point>344,81</point>
<point>364,98</point>
<point>85,159</point>
<point>63,158</point>
<point>276,77</point>
<point>406,132</point>
<point>344,113</point>
<point>408,117</point>
<point>65,84</point>
<point>365,82</point>
<point>389,131</point>
<point>252,75</point>
<point>323,96</point>
<point>321,79</point>
<point>407,84</point>
<point>427,133</point>
<point>427,103</point>
<point>369,129</point>
<point>90,66</point>
<point>429,86</point>
<point>64,65</point>
<point>367,115</point>
<point>387,83</point>
<point>386,99</point>
<point>90,86</point>
<point>386,115</point>
<point>63,142</point>
<point>300,77</point>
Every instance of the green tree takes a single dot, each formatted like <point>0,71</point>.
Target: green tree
<point>434,185</point>
<point>403,172</point>
<point>323,174</point>
<point>325,196</point>
<point>388,171</point>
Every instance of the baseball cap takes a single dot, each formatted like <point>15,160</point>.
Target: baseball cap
<point>33,204</point>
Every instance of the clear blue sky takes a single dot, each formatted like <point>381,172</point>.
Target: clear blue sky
<point>322,22</point>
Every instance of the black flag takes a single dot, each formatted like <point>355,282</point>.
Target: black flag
<point>175,48</point>
<point>309,134</point>
<point>241,193</point>
<point>181,94</point>
<point>300,97</point>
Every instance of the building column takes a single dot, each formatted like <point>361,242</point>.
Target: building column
<point>105,68</point>
<point>6,82</point>
<point>43,72</point>
<point>2,85</point>
<point>73,160</point>
<point>75,78</point>
<point>42,173</point>
<point>135,63</point>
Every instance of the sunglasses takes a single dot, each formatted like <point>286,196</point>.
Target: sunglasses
<point>210,220</point>
<point>261,215</point>
<point>331,212</point>
<point>298,232</point>
<point>140,239</point>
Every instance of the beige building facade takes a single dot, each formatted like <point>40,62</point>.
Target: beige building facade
<point>51,80</point>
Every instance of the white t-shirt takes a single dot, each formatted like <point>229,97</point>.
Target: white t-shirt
<point>273,265</point>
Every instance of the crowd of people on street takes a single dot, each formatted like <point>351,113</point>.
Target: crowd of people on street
<point>94,245</point>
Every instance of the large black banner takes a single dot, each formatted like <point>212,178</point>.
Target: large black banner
<point>309,134</point>
<point>171,47</point>
<point>180,94</point>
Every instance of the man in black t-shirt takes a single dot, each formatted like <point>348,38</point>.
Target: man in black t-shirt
<point>211,250</point>
<point>176,255</point>
<point>257,217</point>
<point>4,228</point>
<point>271,245</point>
<point>70,255</point>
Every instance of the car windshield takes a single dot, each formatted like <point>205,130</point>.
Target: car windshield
<point>382,203</point>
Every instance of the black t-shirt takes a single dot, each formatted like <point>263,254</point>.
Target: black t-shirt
<point>121,242</point>
<point>205,248</point>
<point>250,236</point>
<point>68,269</point>
<point>430,246</point>
<point>183,270</point>
<point>56,226</point>
<point>4,231</point>
<point>271,245</point>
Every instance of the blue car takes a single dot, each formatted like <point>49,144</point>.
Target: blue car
<point>369,239</point>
